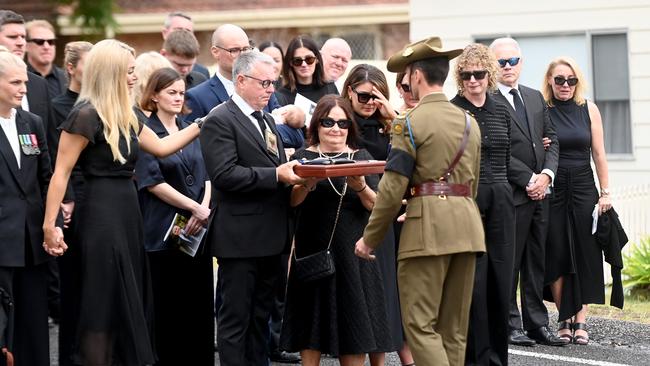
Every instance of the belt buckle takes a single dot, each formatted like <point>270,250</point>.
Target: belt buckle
<point>442,196</point>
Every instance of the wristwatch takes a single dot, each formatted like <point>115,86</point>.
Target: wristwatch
<point>604,192</point>
<point>199,122</point>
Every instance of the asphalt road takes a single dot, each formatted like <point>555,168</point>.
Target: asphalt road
<point>613,343</point>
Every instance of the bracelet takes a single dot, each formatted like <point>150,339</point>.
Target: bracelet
<point>362,189</point>
<point>604,192</point>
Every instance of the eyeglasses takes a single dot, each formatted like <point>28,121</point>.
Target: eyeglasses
<point>297,61</point>
<point>478,75</point>
<point>41,41</point>
<point>512,61</point>
<point>265,83</point>
<point>405,87</point>
<point>235,51</point>
<point>364,98</point>
<point>560,80</point>
<point>329,123</point>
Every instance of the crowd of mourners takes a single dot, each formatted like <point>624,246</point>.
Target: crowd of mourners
<point>124,175</point>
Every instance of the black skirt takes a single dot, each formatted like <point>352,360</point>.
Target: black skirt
<point>571,250</point>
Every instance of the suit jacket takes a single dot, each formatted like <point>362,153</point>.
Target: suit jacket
<point>209,94</point>
<point>424,142</point>
<point>38,98</point>
<point>527,150</point>
<point>251,216</point>
<point>22,196</point>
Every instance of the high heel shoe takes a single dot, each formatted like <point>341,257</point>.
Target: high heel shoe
<point>565,337</point>
<point>580,339</point>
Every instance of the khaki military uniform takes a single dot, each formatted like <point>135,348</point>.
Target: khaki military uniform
<point>440,236</point>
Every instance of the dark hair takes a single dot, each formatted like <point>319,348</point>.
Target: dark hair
<point>183,43</point>
<point>435,69</point>
<point>10,17</point>
<point>399,78</point>
<point>363,73</point>
<point>159,80</point>
<point>287,70</point>
<point>269,44</point>
<point>323,108</point>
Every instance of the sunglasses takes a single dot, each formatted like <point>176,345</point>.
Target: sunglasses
<point>364,98</point>
<point>405,87</point>
<point>265,83</point>
<point>512,61</point>
<point>329,123</point>
<point>560,80</point>
<point>478,75</point>
<point>41,41</point>
<point>297,61</point>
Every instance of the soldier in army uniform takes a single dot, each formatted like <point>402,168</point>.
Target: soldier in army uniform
<point>435,160</point>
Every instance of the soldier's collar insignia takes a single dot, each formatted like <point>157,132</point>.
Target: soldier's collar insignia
<point>397,129</point>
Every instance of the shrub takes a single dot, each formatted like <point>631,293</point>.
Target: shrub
<point>637,269</point>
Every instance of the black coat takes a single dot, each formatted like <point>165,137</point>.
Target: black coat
<point>527,150</point>
<point>22,196</point>
<point>251,215</point>
<point>612,238</point>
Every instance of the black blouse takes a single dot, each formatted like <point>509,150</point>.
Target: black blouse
<point>494,121</point>
<point>573,126</point>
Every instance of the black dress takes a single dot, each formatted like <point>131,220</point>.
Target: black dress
<point>374,139</point>
<point>344,313</point>
<point>115,304</point>
<point>571,249</point>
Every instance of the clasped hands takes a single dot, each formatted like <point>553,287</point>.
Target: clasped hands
<point>53,242</point>
<point>537,186</point>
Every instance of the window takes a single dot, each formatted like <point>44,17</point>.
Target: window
<point>603,59</point>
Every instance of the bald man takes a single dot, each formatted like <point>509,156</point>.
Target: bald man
<point>228,42</point>
<point>336,55</point>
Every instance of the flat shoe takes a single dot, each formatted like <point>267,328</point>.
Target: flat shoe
<point>580,339</point>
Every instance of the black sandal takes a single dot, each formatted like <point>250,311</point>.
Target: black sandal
<point>580,339</point>
<point>567,337</point>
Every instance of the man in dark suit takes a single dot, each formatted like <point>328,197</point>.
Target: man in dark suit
<point>24,175</point>
<point>531,174</point>
<point>251,226</point>
<point>181,49</point>
<point>41,52</point>
<point>228,42</point>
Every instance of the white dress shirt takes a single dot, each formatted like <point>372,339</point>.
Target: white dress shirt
<point>227,84</point>
<point>10,130</point>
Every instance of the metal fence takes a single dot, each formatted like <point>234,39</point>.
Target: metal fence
<point>632,203</point>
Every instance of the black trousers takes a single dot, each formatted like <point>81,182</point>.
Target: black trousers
<point>248,287</point>
<point>530,243</point>
<point>277,310</point>
<point>487,337</point>
<point>28,288</point>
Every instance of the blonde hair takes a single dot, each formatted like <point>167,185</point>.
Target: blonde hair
<point>73,53</point>
<point>38,23</point>
<point>476,54</point>
<point>580,88</point>
<point>145,65</point>
<point>8,59</point>
<point>105,87</point>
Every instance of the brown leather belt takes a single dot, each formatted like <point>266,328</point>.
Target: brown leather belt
<point>440,189</point>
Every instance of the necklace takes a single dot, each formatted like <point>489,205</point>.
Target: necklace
<point>345,184</point>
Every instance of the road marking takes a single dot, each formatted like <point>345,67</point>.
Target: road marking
<point>564,359</point>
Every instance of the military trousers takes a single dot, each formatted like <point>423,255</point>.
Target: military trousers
<point>435,298</point>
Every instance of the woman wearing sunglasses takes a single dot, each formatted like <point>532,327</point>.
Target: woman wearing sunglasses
<point>302,72</point>
<point>487,337</point>
<point>367,90</point>
<point>574,270</point>
<point>339,314</point>
<point>404,90</point>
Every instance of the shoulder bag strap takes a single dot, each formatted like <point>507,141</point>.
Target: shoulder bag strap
<point>461,150</point>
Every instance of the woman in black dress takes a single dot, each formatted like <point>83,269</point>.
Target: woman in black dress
<point>103,134</point>
<point>302,73</point>
<point>343,314</point>
<point>574,262</point>
<point>367,90</point>
<point>487,337</point>
<point>167,186</point>
<point>73,59</point>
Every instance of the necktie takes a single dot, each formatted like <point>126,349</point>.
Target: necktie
<point>260,121</point>
<point>519,108</point>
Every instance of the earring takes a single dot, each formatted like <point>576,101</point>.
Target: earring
<point>154,100</point>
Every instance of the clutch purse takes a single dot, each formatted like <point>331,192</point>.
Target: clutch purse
<point>320,264</point>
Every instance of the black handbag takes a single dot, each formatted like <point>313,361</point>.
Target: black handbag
<point>320,264</point>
